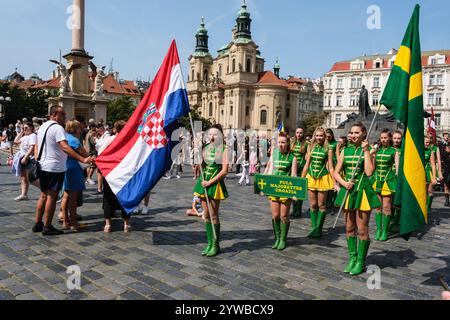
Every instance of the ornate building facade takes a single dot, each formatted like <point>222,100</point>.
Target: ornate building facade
<point>344,81</point>
<point>233,88</point>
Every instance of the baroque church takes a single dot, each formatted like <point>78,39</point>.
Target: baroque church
<point>234,90</point>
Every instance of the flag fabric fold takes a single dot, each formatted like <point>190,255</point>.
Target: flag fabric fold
<point>403,96</point>
<point>141,154</point>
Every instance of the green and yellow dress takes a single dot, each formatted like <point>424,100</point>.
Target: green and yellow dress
<point>282,166</point>
<point>384,178</point>
<point>362,196</point>
<point>428,169</point>
<point>218,191</point>
<point>297,149</point>
<point>319,178</point>
<point>333,146</point>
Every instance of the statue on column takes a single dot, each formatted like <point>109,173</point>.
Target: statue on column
<point>98,75</point>
<point>64,73</point>
<point>364,107</point>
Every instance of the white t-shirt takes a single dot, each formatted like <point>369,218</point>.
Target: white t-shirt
<point>99,144</point>
<point>26,142</point>
<point>53,158</point>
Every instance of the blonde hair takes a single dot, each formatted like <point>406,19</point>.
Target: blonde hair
<point>73,126</point>
<point>314,142</point>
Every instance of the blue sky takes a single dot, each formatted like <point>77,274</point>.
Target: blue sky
<point>307,36</point>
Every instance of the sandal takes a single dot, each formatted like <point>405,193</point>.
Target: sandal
<point>107,229</point>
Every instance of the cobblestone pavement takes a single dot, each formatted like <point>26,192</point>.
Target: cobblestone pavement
<point>161,258</point>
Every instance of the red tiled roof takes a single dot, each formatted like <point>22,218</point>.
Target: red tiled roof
<point>268,77</point>
<point>370,60</point>
<point>49,84</point>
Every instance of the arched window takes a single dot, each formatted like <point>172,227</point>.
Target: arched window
<point>205,75</point>
<point>248,66</point>
<point>233,68</point>
<point>263,118</point>
<point>210,109</point>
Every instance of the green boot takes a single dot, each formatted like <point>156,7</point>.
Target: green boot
<point>284,234</point>
<point>276,224</point>
<point>215,248</point>
<point>386,223</point>
<point>352,254</point>
<point>379,221</point>
<point>320,221</point>
<point>209,236</point>
<point>430,202</point>
<point>314,216</point>
<point>363,249</point>
<point>395,223</point>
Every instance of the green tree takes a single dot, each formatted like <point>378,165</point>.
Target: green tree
<point>120,109</point>
<point>312,121</point>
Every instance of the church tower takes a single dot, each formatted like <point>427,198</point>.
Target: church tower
<point>200,62</point>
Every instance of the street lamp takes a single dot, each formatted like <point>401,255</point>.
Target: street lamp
<point>3,108</point>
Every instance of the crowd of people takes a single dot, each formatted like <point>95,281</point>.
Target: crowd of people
<point>352,173</point>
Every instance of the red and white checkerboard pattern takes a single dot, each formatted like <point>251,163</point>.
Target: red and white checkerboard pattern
<point>153,132</point>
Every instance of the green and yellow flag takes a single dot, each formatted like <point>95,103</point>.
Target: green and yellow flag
<point>403,96</point>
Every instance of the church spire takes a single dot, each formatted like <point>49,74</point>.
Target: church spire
<point>243,23</point>
<point>202,39</point>
<point>277,68</point>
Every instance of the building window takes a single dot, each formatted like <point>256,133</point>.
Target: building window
<point>439,80</point>
<point>205,75</point>
<point>248,93</point>
<point>377,65</point>
<point>376,82</point>
<point>353,100</point>
<point>263,119</point>
<point>359,83</point>
<point>193,73</point>
<point>432,80</point>
<point>438,99</point>
<point>211,109</point>
<point>431,99</point>
<point>338,119</point>
<point>247,111</point>
<point>437,120</point>
<point>248,66</point>
<point>340,83</point>
<point>233,68</point>
<point>288,97</point>
<point>338,101</point>
<point>375,100</point>
<point>288,113</point>
<point>353,83</point>
<point>231,110</point>
<point>220,71</point>
<point>329,101</point>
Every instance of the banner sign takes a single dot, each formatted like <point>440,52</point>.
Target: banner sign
<point>282,187</point>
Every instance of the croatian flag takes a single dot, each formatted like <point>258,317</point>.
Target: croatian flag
<point>432,125</point>
<point>141,154</point>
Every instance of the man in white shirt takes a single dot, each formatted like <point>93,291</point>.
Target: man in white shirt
<point>53,168</point>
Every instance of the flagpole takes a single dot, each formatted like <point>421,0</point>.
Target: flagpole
<point>202,174</point>
<point>356,168</point>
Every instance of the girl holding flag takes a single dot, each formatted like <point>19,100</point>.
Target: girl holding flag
<point>282,163</point>
<point>361,197</point>
<point>319,170</point>
<point>397,140</point>
<point>215,164</point>
<point>430,170</point>
<point>386,161</point>
<point>299,148</point>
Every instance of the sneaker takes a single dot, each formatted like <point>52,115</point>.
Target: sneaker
<point>99,192</point>
<point>51,231</point>
<point>21,198</point>
<point>145,210</point>
<point>178,177</point>
<point>38,227</point>
<point>167,178</point>
<point>90,182</point>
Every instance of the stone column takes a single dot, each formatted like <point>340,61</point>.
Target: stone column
<point>78,13</point>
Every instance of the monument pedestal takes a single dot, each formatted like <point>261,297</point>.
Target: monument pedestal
<point>85,106</point>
